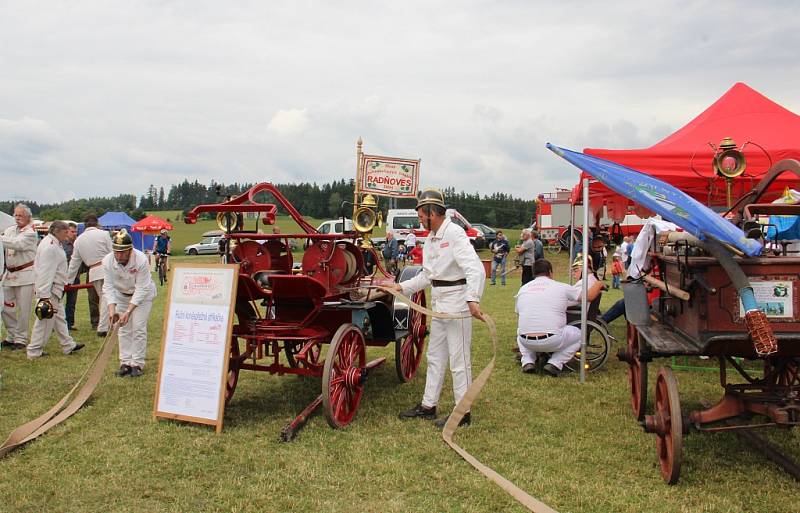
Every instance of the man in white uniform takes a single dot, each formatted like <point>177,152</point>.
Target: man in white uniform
<point>455,273</point>
<point>542,327</point>
<point>51,276</point>
<point>20,243</point>
<point>89,248</point>
<point>129,291</point>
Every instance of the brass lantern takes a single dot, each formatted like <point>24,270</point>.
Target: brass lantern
<point>366,215</point>
<point>729,162</point>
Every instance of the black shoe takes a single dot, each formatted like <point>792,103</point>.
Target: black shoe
<point>43,355</point>
<point>419,411</point>
<point>77,348</point>
<point>466,420</point>
<point>551,370</point>
<point>102,334</point>
<point>72,328</point>
<point>529,368</point>
<point>123,371</point>
<point>12,346</point>
<point>135,372</point>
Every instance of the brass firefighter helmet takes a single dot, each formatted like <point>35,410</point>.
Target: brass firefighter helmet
<point>578,262</point>
<point>430,196</point>
<point>122,241</point>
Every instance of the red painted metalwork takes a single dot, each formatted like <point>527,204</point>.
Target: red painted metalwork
<point>285,316</point>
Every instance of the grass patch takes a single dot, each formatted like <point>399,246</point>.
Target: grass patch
<point>576,447</point>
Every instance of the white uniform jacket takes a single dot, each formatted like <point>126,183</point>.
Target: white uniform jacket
<point>51,269</point>
<point>448,256</point>
<point>89,248</point>
<point>131,282</point>
<point>20,245</point>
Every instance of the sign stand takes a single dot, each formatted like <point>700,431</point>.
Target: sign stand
<point>196,343</point>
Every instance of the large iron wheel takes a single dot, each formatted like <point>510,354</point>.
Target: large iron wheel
<point>667,424</point>
<point>234,360</point>
<point>598,345</point>
<point>637,373</point>
<point>343,375</point>
<point>408,350</point>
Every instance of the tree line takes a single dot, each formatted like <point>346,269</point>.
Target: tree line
<point>310,199</point>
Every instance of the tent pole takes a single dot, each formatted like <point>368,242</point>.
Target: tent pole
<point>571,239</point>
<point>584,278</point>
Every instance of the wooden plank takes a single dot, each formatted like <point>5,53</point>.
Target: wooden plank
<point>667,342</point>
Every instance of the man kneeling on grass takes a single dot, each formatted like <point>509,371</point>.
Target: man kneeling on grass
<point>542,328</point>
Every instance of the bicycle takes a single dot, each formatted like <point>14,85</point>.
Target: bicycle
<point>161,266</point>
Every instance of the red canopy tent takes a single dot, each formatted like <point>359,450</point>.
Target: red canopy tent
<point>684,159</point>
<point>151,224</point>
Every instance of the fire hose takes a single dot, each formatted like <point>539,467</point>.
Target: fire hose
<point>465,404</point>
<point>69,404</point>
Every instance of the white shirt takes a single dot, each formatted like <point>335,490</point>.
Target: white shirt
<point>578,286</point>
<point>129,282</point>
<point>51,269</point>
<point>89,248</point>
<point>448,256</point>
<point>542,305</point>
<point>20,245</point>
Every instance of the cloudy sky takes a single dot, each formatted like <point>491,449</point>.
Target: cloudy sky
<point>103,97</point>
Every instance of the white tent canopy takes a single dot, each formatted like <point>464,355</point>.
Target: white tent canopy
<point>6,221</point>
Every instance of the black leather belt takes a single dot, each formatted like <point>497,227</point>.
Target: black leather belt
<point>537,337</point>
<point>447,283</point>
<point>126,294</point>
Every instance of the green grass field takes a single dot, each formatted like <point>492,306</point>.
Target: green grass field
<point>574,446</point>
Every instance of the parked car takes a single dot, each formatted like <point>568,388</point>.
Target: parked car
<point>488,235</point>
<point>336,226</point>
<point>208,246</point>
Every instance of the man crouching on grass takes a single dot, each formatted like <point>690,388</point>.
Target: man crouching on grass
<point>542,328</point>
<point>129,291</point>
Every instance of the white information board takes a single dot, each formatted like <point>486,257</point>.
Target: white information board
<point>195,343</point>
<point>775,298</point>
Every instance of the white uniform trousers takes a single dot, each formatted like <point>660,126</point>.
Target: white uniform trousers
<point>17,319</point>
<point>563,346</point>
<point>102,323</point>
<point>450,339</point>
<point>43,328</point>
<point>133,336</point>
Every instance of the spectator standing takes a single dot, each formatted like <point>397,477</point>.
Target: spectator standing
<point>390,252</point>
<point>72,295</point>
<point>20,243</point>
<point>128,290</point>
<point>500,249</point>
<point>527,255</point>
<point>616,271</point>
<point>538,250</point>
<point>50,266</point>
<point>455,273</point>
<point>411,243</point>
<point>90,248</point>
<point>416,254</point>
<point>629,252</point>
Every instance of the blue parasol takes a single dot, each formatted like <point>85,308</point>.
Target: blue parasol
<point>662,198</point>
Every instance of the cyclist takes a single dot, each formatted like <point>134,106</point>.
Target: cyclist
<point>162,248</point>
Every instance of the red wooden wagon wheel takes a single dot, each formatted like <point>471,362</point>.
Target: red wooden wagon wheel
<point>408,350</point>
<point>782,371</point>
<point>637,374</point>
<point>313,355</point>
<point>233,370</point>
<point>667,424</point>
<point>343,375</point>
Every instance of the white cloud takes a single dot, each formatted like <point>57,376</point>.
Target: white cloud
<point>108,97</point>
<point>288,123</point>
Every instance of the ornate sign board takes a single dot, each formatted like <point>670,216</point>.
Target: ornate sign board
<point>195,343</point>
<point>388,176</point>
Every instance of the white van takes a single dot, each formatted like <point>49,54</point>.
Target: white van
<point>336,226</point>
<point>401,222</point>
